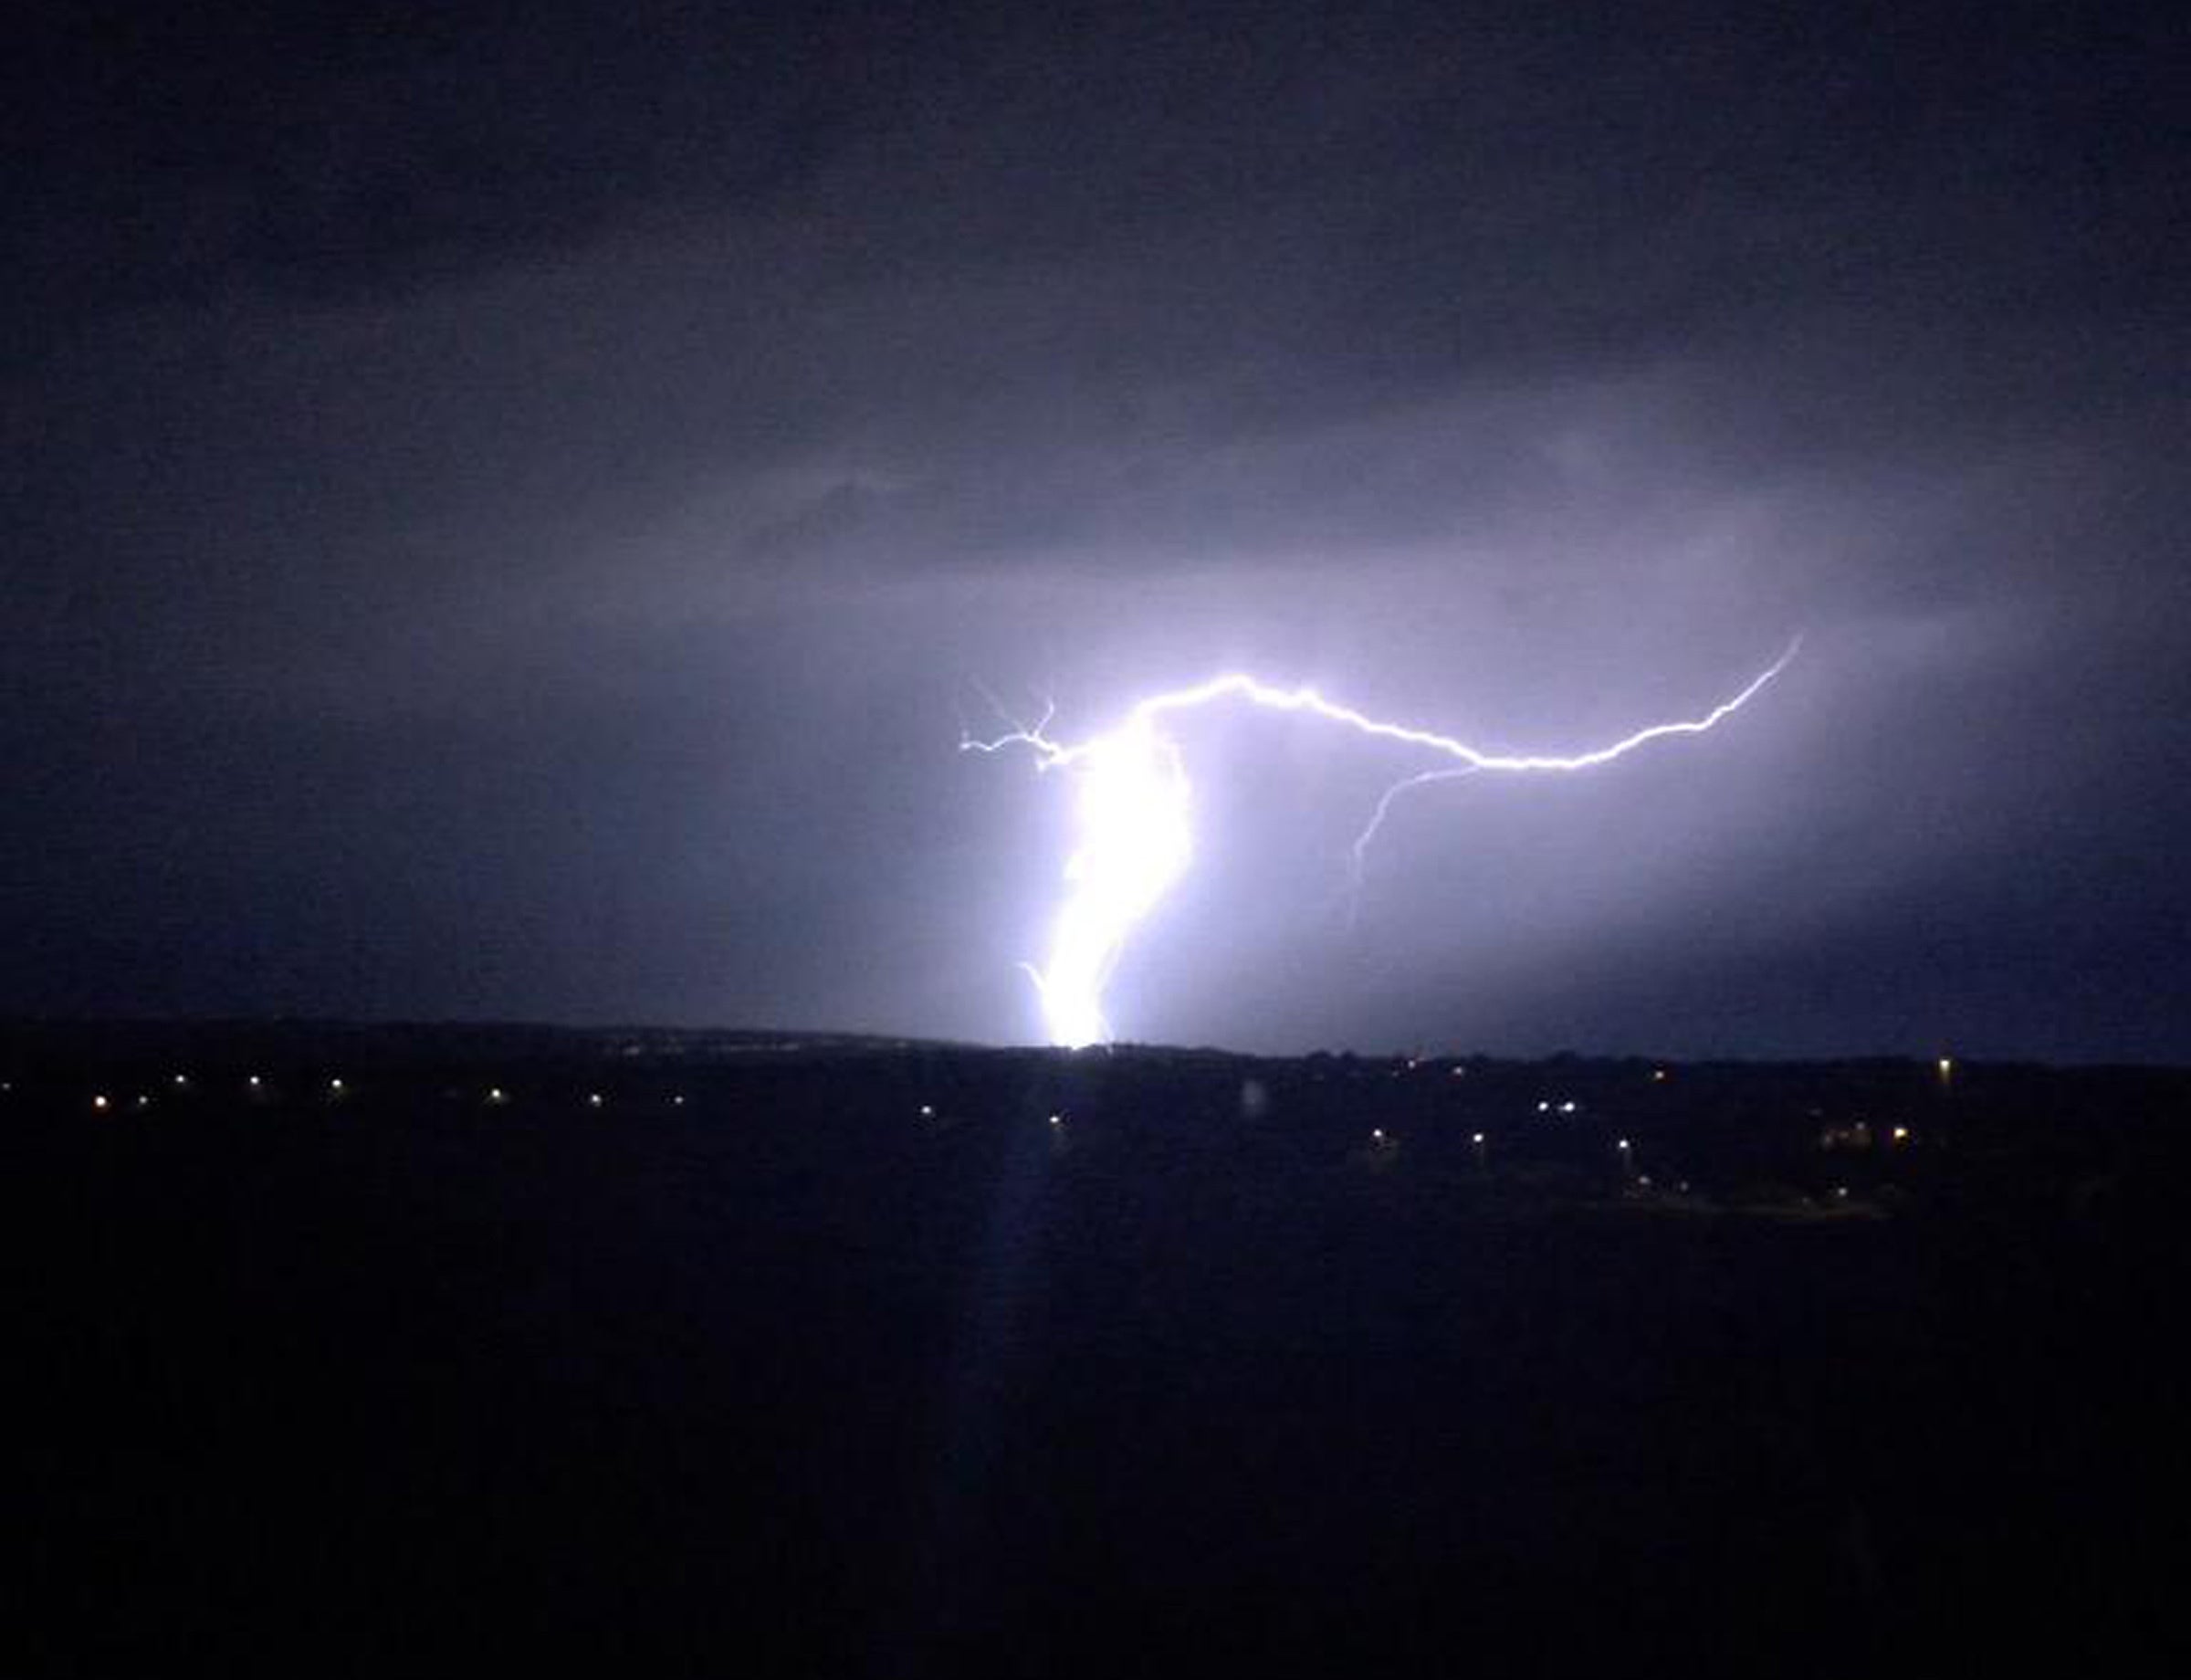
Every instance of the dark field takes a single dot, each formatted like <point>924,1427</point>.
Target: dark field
<point>788,1377</point>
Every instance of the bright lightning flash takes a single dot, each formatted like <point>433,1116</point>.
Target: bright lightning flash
<point>1136,826</point>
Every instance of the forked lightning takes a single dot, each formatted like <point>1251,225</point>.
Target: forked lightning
<point>1136,816</point>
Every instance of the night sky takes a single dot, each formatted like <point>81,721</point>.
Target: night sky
<point>507,513</point>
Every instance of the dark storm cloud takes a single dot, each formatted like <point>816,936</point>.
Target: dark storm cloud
<point>506,518</point>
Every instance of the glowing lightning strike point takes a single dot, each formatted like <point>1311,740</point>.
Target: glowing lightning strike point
<point>1136,835</point>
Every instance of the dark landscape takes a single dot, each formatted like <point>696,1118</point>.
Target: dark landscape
<point>836,1355</point>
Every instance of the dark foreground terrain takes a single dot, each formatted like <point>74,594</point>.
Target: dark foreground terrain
<point>844,1357</point>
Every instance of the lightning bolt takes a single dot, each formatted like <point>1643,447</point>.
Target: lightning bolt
<point>1136,816</point>
<point>1359,852</point>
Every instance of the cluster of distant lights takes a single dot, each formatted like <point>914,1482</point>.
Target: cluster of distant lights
<point>493,1095</point>
<point>496,1095</point>
<point>1381,1139</point>
<point>334,1087</point>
